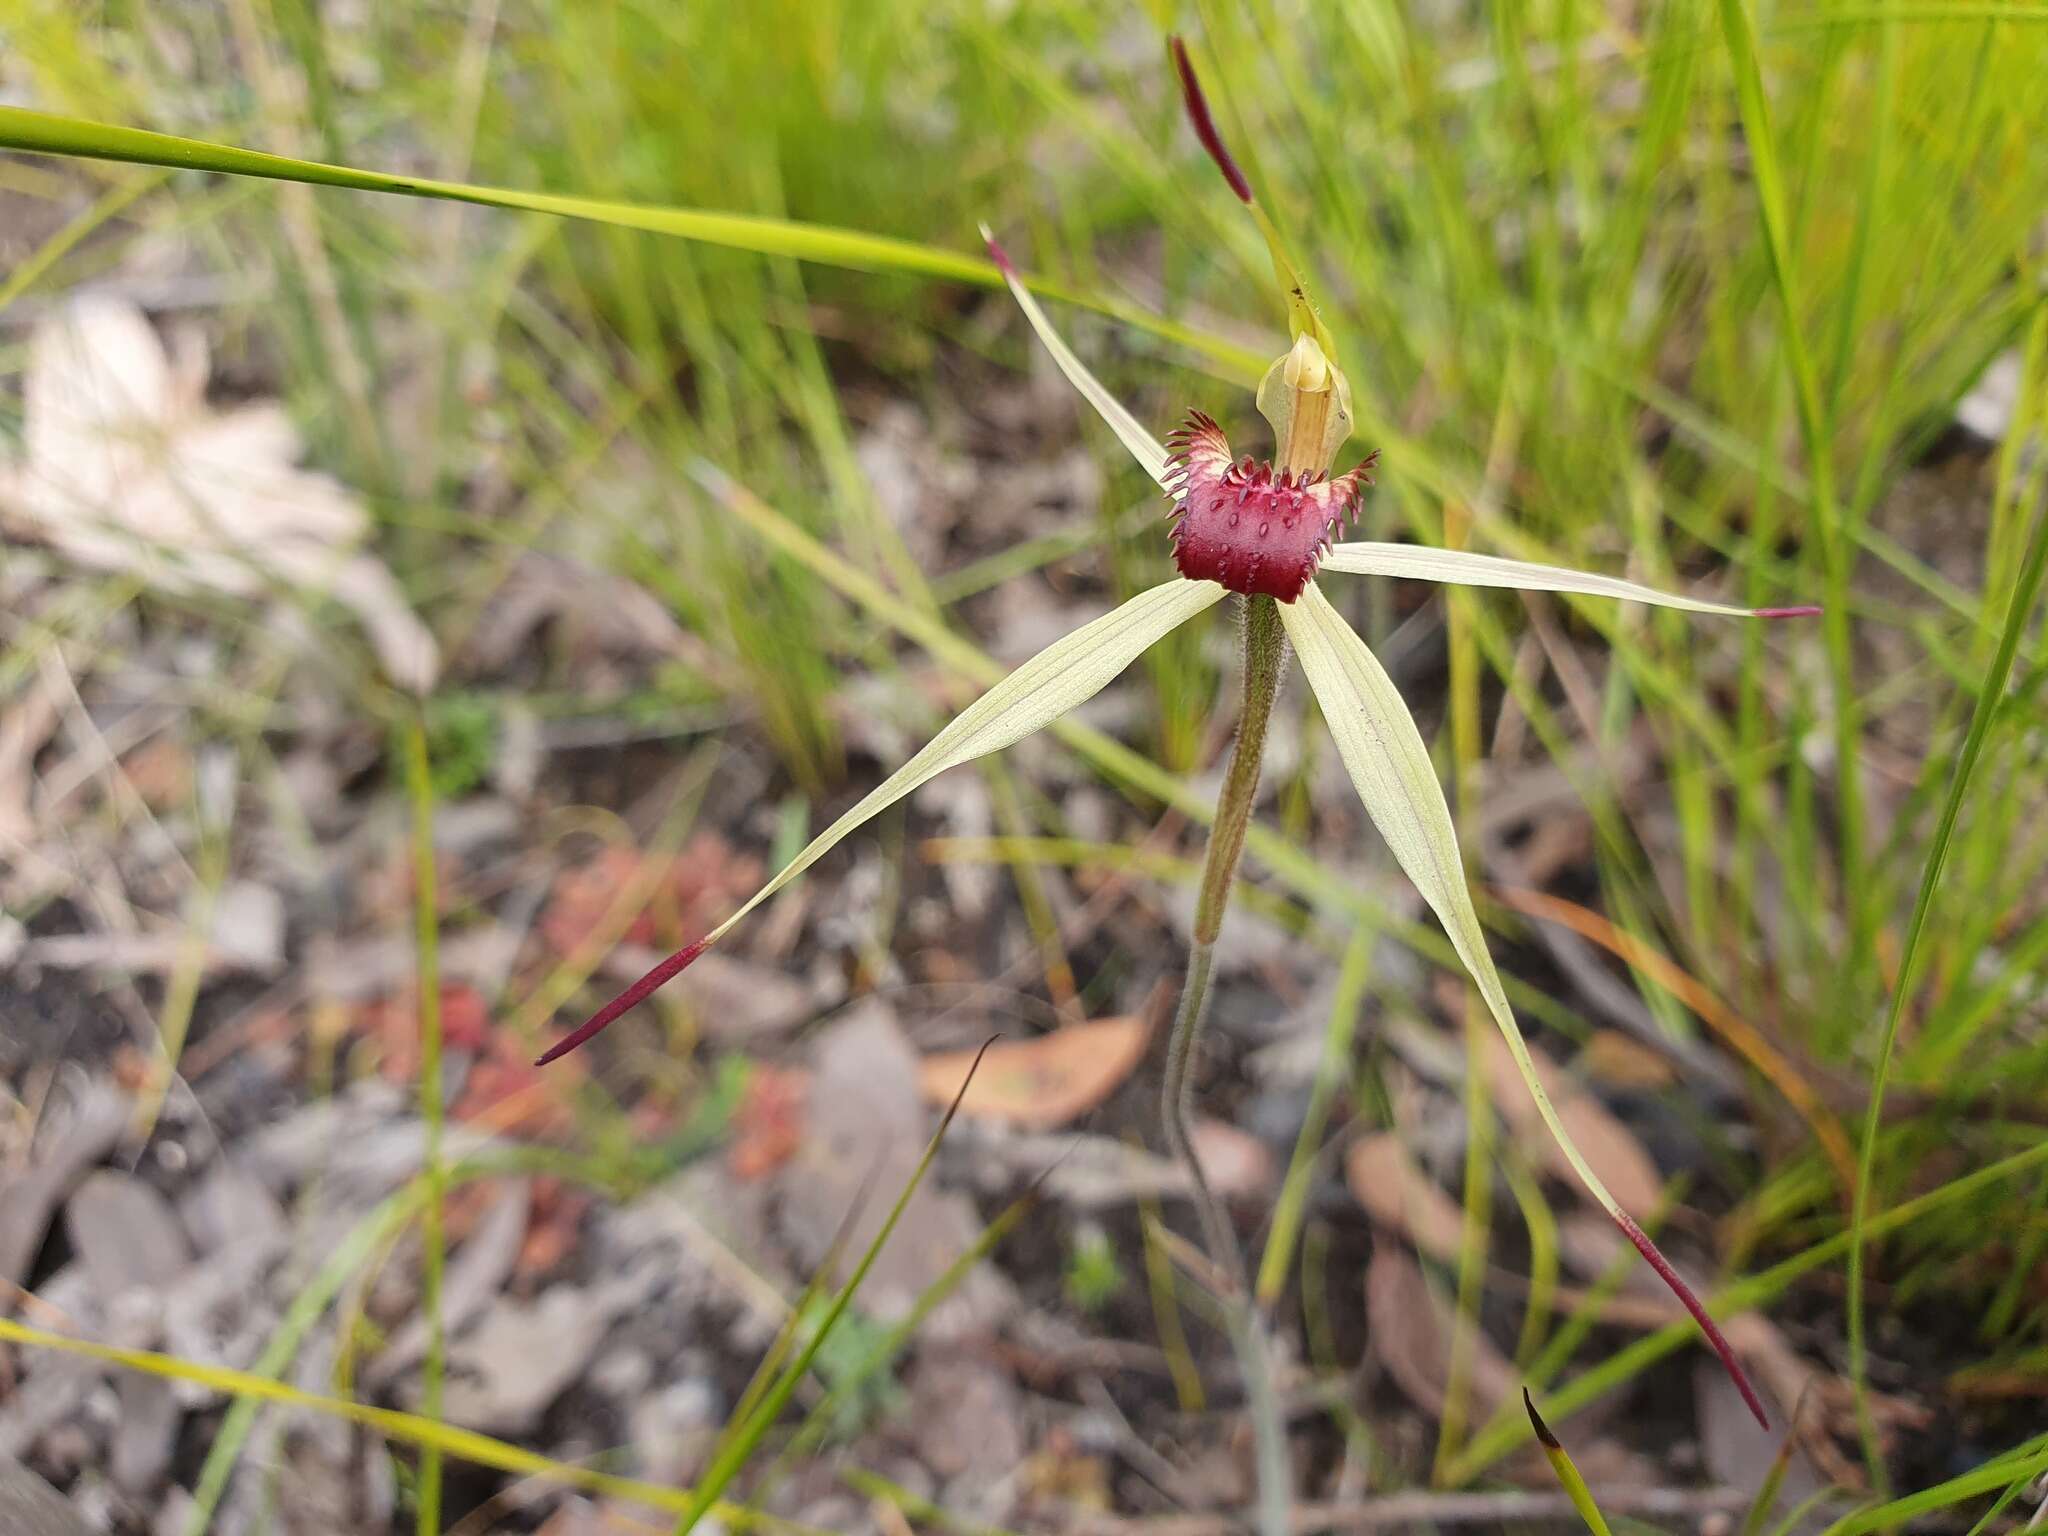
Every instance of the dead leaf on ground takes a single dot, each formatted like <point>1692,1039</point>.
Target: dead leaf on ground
<point>1236,1164</point>
<point>554,1226</point>
<point>1620,1061</point>
<point>768,1127</point>
<point>1043,1083</point>
<point>127,470</point>
<point>698,887</point>
<point>392,1024</point>
<point>1401,1197</point>
<point>1410,1330</point>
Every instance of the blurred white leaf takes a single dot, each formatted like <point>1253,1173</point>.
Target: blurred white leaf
<point>126,470</point>
<point>1988,408</point>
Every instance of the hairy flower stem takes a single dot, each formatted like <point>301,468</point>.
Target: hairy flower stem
<point>1264,652</point>
<point>1265,655</point>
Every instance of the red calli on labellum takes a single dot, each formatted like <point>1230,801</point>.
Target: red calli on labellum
<point>1245,526</point>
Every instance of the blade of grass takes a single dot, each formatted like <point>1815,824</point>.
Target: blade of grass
<point>52,134</point>
<point>347,1258</point>
<point>1990,695</point>
<point>1849,302</point>
<point>1568,1476</point>
<point>1774,1479</point>
<point>1352,978</point>
<point>1800,1516</point>
<point>107,206</point>
<point>818,1423</point>
<point>1163,1291</point>
<point>2022,1464</point>
<point>770,1370</point>
<point>1475,1237</point>
<point>419,782</point>
<point>1507,1432</point>
<point>1539,1224</point>
<point>1989,1519</point>
<point>406,1428</point>
<point>725,1467</point>
<point>1816,438</point>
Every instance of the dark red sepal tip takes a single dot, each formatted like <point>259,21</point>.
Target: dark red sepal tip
<point>1205,125</point>
<point>639,992</point>
<point>1000,256</point>
<point>1799,611</point>
<point>1708,1326</point>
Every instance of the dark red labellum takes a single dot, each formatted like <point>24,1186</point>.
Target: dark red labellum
<point>1246,527</point>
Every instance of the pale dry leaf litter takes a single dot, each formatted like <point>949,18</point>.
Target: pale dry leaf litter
<point>127,469</point>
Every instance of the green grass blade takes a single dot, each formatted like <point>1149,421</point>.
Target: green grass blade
<point>827,245</point>
<point>748,1439</point>
<point>1816,438</point>
<point>368,1234</point>
<point>1568,1475</point>
<point>49,133</point>
<point>770,1370</point>
<point>1292,1203</point>
<point>406,1428</point>
<point>1753,1291</point>
<point>2022,1464</point>
<point>1990,694</point>
<point>1773,1481</point>
<point>341,1266</point>
<point>419,783</point>
<point>817,1423</point>
<point>107,206</point>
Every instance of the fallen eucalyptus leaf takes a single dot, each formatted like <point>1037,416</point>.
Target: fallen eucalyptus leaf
<point>1043,1083</point>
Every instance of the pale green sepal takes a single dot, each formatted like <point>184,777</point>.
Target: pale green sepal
<point>1421,563</point>
<point>1062,677</point>
<point>1385,756</point>
<point>1144,447</point>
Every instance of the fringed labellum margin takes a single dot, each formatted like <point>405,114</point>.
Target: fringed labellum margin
<point>1245,526</point>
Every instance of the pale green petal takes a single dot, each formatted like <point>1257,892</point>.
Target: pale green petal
<point>1144,447</point>
<point>1383,751</point>
<point>1423,563</point>
<point>1062,677</point>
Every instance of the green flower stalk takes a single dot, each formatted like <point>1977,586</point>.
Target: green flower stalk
<point>1264,532</point>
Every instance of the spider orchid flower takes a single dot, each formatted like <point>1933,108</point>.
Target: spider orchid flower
<point>1264,531</point>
